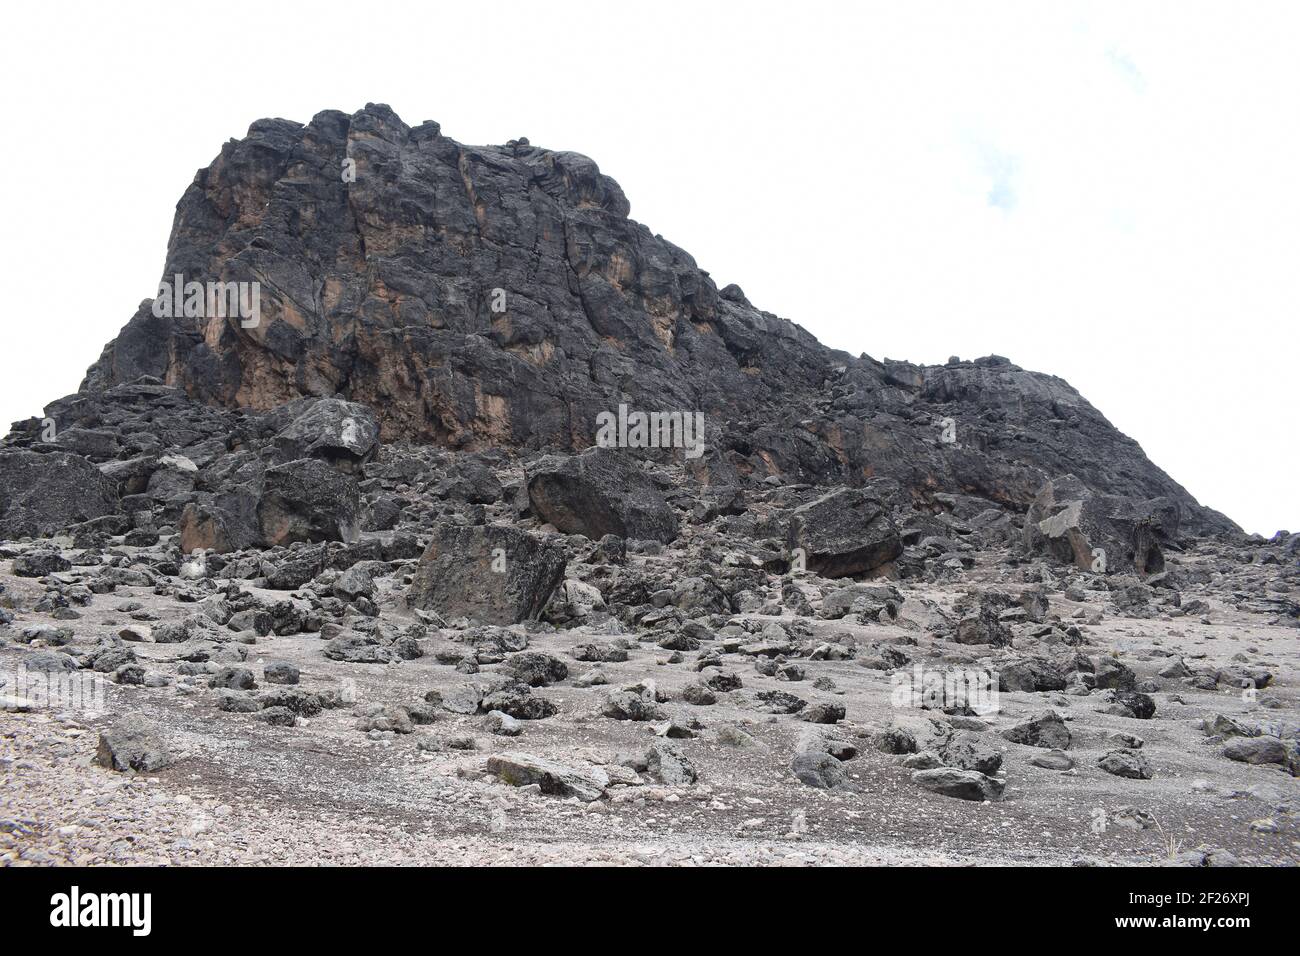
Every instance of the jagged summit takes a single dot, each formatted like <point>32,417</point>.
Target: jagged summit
<point>499,296</point>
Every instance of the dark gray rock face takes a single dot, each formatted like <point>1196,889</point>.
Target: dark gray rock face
<point>499,296</point>
<point>307,500</point>
<point>962,784</point>
<point>845,533</point>
<point>44,494</point>
<point>490,573</point>
<point>341,433</point>
<point>600,492</point>
<point>1106,533</point>
<point>819,770</point>
<point>130,745</point>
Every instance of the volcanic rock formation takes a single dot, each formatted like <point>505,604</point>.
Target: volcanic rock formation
<point>499,296</point>
<point>363,558</point>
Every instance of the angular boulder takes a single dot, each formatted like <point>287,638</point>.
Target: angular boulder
<point>37,564</point>
<point>669,766</point>
<point>600,492</point>
<point>1256,750</point>
<point>307,500</point>
<point>1075,525</point>
<point>965,752</point>
<point>221,522</point>
<point>844,534</point>
<point>536,669</point>
<point>343,434</point>
<point>130,745</point>
<point>42,494</point>
<point>1031,674</point>
<point>1126,763</point>
<point>1047,730</point>
<point>562,780</point>
<point>962,784</point>
<point>489,573</point>
<point>819,770</point>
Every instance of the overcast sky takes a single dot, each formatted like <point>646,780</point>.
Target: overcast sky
<point>1107,193</point>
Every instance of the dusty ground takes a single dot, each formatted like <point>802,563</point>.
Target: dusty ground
<point>325,792</point>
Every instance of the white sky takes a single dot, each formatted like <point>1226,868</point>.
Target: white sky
<point>1107,193</point>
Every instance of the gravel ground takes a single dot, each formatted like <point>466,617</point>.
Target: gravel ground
<point>323,792</point>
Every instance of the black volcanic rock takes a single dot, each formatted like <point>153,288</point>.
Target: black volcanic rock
<point>344,434</point>
<point>44,494</point>
<point>307,500</point>
<point>845,533</point>
<point>1077,526</point>
<point>490,573</point>
<point>499,296</point>
<point>599,492</point>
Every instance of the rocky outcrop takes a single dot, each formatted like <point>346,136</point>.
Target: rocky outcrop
<point>131,745</point>
<point>344,434</point>
<point>1104,533</point>
<point>499,296</point>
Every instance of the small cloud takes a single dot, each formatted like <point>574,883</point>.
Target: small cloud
<point>1000,168</point>
<point>1127,69</point>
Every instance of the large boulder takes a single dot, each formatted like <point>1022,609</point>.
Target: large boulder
<point>307,500</point>
<point>224,521</point>
<point>1047,730</point>
<point>96,444</point>
<point>490,573</point>
<point>600,492</point>
<point>131,745</point>
<point>42,494</point>
<point>1097,532</point>
<point>587,783</point>
<point>470,479</point>
<point>819,770</point>
<point>343,434</point>
<point>1256,750</point>
<point>962,784</point>
<point>845,534</point>
<point>499,297</point>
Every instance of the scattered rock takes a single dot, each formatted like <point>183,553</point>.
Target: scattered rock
<point>521,770</point>
<point>131,745</point>
<point>963,784</point>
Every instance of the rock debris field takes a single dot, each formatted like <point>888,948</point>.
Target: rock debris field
<point>358,581</point>
<point>464,683</point>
